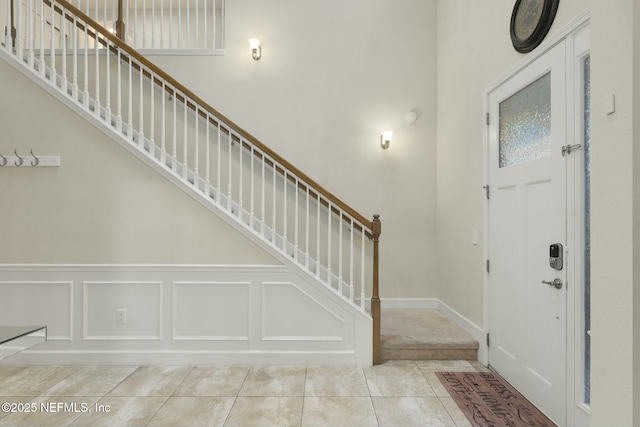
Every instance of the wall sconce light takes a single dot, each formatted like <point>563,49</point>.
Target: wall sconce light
<point>256,49</point>
<point>385,139</point>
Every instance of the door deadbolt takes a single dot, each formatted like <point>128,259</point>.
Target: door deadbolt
<point>557,283</point>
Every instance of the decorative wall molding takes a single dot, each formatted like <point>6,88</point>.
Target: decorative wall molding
<point>40,296</point>
<point>184,314</point>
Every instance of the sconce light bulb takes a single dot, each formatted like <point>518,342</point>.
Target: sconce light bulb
<point>256,49</point>
<point>385,139</point>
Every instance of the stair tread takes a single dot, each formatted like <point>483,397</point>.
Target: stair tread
<point>422,329</point>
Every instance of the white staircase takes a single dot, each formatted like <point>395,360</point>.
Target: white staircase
<point>324,242</point>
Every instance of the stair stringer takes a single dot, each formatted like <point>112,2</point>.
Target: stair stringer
<point>362,322</point>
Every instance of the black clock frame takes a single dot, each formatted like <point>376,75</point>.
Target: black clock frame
<point>542,27</point>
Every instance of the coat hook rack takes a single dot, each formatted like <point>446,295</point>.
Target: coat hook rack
<point>19,161</point>
<point>37,161</point>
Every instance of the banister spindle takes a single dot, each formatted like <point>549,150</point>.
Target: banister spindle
<point>196,153</point>
<point>141,106</point>
<point>185,161</point>
<point>42,42</point>
<point>119,93</point>
<point>208,156</point>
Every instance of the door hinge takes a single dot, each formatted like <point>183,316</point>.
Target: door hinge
<point>488,340</point>
<point>487,191</point>
<point>567,149</point>
<point>488,266</point>
<point>487,120</point>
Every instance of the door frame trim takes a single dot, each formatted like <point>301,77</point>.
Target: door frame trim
<point>567,32</point>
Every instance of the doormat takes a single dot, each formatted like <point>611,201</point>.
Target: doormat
<point>489,401</point>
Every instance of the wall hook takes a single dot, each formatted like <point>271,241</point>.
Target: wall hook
<point>20,160</point>
<point>3,162</point>
<point>35,161</point>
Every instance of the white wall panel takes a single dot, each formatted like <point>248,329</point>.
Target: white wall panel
<point>216,311</point>
<point>141,301</point>
<point>183,314</point>
<point>26,303</point>
<point>314,321</point>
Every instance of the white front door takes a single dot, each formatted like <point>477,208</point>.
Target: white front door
<point>527,214</point>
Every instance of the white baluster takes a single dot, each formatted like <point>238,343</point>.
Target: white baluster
<point>188,26</point>
<point>30,30</point>
<point>175,130</point>
<point>135,19</point>
<point>295,221</point>
<point>185,160</point>
<point>96,45</point>
<point>262,197</point>
<point>362,250</point>
<point>208,154</point>
<point>306,230</point>
<point>19,31</point>
<point>273,204</point>
<point>130,100</point>
<point>63,37</point>
<point>318,238</point>
<point>144,24</point>
<point>8,40</point>
<point>219,160</point>
<point>42,42</point>
<point>196,153</point>
<point>119,94</point>
<point>229,155</point>
<point>162,27</point>
<point>179,37</point>
<point>329,242</point>
<point>240,180</point>
<point>74,87</point>
<point>284,210</point>
<point>86,63</point>
<point>197,32</point>
<point>163,136</point>
<point>152,88</point>
<point>141,101</point>
<point>206,27</point>
<point>171,24</point>
<point>107,116</point>
<point>351,283</point>
<point>252,196</point>
<point>340,244</point>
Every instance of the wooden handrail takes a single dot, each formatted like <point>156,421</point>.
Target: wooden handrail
<point>201,104</point>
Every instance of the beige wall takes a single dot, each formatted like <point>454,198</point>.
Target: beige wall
<point>615,179</point>
<point>103,205</point>
<point>333,76</point>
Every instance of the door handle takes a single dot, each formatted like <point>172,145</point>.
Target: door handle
<point>557,283</point>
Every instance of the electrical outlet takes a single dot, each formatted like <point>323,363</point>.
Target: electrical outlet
<point>121,316</point>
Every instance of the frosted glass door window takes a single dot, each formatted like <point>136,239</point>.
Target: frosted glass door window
<point>525,124</point>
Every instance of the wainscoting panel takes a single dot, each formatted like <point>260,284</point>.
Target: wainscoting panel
<point>141,303</point>
<point>181,314</point>
<point>314,320</point>
<point>27,303</point>
<point>213,311</point>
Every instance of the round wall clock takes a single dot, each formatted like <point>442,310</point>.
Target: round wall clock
<point>530,23</point>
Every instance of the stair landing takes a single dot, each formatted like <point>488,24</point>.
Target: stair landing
<point>423,334</point>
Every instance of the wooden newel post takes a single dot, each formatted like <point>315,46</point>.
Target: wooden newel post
<point>376,230</point>
<point>120,27</point>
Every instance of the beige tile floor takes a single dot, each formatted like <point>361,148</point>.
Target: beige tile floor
<point>402,393</point>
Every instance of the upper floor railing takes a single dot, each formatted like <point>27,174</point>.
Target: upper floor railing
<point>212,156</point>
<point>164,26</point>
